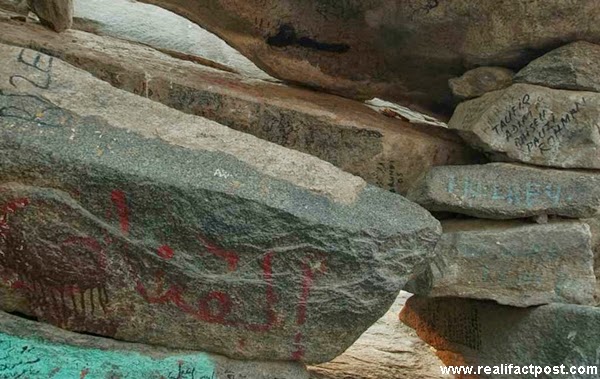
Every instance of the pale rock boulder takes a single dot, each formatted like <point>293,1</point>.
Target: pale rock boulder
<point>534,125</point>
<point>512,263</point>
<point>573,66</point>
<point>387,350</point>
<point>479,81</point>
<point>508,191</point>
<point>125,218</point>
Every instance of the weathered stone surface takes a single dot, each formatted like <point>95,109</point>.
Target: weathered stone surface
<point>505,191</point>
<point>125,218</point>
<point>480,80</point>
<point>35,350</point>
<point>535,125</point>
<point>159,28</point>
<point>389,153</point>
<point>470,332</point>
<point>391,49</point>
<point>20,7</point>
<point>512,263</point>
<point>594,224</point>
<point>387,350</point>
<point>55,14</point>
<point>573,66</point>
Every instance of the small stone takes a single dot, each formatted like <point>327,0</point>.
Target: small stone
<point>512,263</point>
<point>184,233</point>
<point>471,332</point>
<point>506,191</point>
<point>54,14</point>
<point>480,80</point>
<point>35,350</point>
<point>573,67</point>
<point>535,125</point>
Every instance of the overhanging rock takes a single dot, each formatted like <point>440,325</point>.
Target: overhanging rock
<point>387,152</point>
<point>35,350</point>
<point>126,218</point>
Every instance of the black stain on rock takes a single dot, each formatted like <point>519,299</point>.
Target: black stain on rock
<point>286,36</point>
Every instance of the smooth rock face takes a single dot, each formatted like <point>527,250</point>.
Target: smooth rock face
<point>469,332</point>
<point>512,263</point>
<point>390,49</point>
<point>389,153</point>
<point>505,191</point>
<point>573,66</point>
<point>387,350</point>
<point>594,224</point>
<point>55,14</point>
<point>159,28</point>
<point>35,350</point>
<point>125,218</point>
<point>534,125</point>
<point>478,81</point>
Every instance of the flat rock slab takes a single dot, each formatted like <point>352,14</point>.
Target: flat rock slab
<point>512,263</point>
<point>387,350</point>
<point>386,152</point>
<point>573,66</point>
<point>505,191</point>
<point>479,81</point>
<point>35,350</point>
<point>125,218</point>
<point>535,125</point>
<point>470,332</point>
<point>390,49</point>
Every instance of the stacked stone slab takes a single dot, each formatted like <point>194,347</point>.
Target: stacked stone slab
<point>122,217</point>
<point>528,242</point>
<point>389,153</point>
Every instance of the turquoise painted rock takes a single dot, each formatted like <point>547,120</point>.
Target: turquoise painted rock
<point>508,191</point>
<point>512,263</point>
<point>32,350</point>
<point>482,333</point>
<point>125,218</point>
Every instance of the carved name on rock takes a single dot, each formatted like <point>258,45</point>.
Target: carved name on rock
<point>505,191</point>
<point>387,152</point>
<point>36,350</point>
<point>573,66</point>
<point>512,263</point>
<point>535,125</point>
<point>470,332</point>
<point>125,218</point>
<point>390,49</point>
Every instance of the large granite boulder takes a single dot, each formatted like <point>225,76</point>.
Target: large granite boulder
<point>125,218</point>
<point>505,191</point>
<point>573,66</point>
<point>535,125</point>
<point>391,49</point>
<point>33,350</point>
<point>512,263</point>
<point>386,152</point>
<point>387,350</point>
<point>469,332</point>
